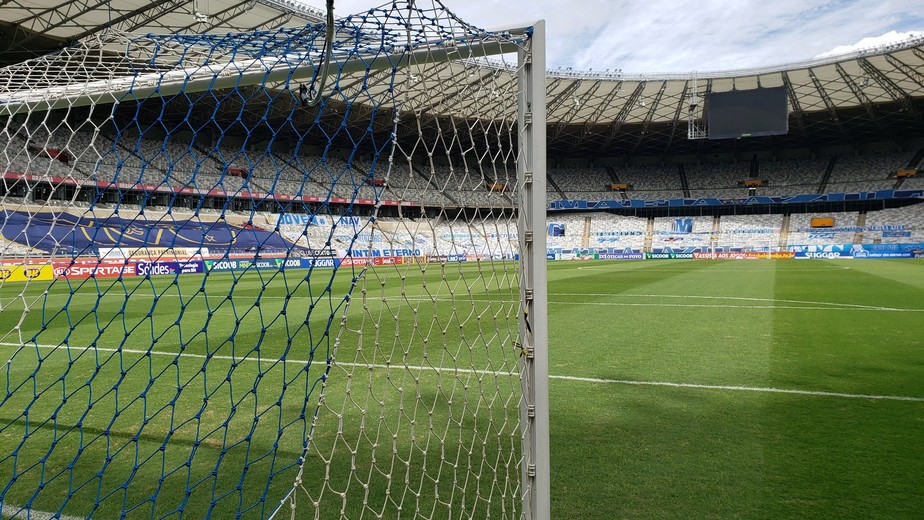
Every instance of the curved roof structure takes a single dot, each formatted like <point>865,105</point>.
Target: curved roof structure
<point>876,94</point>
<point>30,28</point>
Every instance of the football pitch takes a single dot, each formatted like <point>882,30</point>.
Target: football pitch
<point>679,389</point>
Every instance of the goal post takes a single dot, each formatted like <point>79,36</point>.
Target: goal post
<point>533,290</point>
<point>217,299</point>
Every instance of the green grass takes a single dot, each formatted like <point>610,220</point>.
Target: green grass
<point>644,451</point>
<point>199,361</point>
<point>716,444</point>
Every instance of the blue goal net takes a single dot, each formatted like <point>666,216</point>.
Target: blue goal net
<point>264,274</point>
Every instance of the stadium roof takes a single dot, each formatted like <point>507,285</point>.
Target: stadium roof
<point>30,28</point>
<point>870,95</point>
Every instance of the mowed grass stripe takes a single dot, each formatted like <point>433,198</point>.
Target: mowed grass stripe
<point>667,452</point>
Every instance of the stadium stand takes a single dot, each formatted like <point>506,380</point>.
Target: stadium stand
<point>749,232</point>
<point>618,232</point>
<point>717,180</point>
<point>570,231</point>
<point>860,173</point>
<point>791,176</point>
<point>682,232</point>
<point>842,231</point>
<point>895,225</point>
<point>582,183</point>
<point>651,182</point>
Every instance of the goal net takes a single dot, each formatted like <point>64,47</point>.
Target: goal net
<point>219,297</point>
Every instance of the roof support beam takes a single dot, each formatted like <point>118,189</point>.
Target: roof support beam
<point>909,71</point>
<point>607,100</point>
<point>858,92</point>
<point>43,21</point>
<point>451,100</point>
<point>275,22</point>
<point>137,18</point>
<point>897,93</point>
<point>34,22</point>
<point>596,115</point>
<point>681,105</point>
<point>832,109</point>
<point>220,18</point>
<point>650,115</point>
<point>576,108</point>
<point>917,52</point>
<point>564,94</point>
<point>624,113</point>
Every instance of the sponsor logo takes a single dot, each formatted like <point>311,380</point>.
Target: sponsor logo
<point>669,256</point>
<point>153,268</point>
<point>191,267</point>
<point>351,262</point>
<point>621,256</point>
<point>221,265</point>
<point>289,219</point>
<point>93,270</point>
<point>282,263</point>
<point>869,254</point>
<point>365,253</point>
<point>720,256</point>
<point>682,225</point>
<point>745,255</point>
<point>823,254</point>
<point>325,262</point>
<point>556,230</point>
<point>5,273</point>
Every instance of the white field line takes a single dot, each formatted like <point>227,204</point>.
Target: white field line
<point>797,304</point>
<point>753,267</point>
<point>735,388</point>
<point>267,360</point>
<point>739,298</point>
<point>730,306</point>
<point>731,388</point>
<point>14,512</point>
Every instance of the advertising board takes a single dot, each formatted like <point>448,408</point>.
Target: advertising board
<point>26,273</point>
<point>83,270</point>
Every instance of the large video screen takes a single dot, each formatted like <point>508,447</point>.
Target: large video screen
<point>747,113</point>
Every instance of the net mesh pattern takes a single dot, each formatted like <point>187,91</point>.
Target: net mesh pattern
<point>217,300</point>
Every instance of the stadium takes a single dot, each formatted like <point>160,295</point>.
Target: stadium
<point>256,262</point>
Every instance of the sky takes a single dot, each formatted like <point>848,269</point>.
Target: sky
<point>651,36</point>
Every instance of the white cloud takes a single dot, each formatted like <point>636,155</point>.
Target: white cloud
<point>675,36</point>
<point>871,42</point>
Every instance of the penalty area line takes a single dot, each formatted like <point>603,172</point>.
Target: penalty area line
<point>9,511</point>
<point>499,373</point>
<point>735,388</point>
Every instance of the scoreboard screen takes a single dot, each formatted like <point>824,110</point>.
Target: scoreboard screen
<point>747,113</point>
